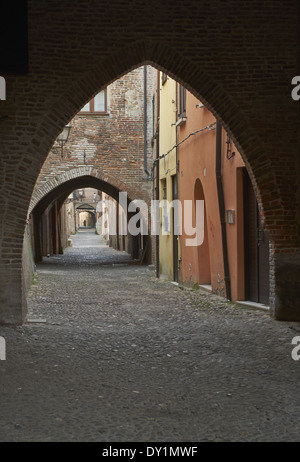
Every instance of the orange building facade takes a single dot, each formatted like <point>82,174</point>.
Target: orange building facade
<point>233,260</point>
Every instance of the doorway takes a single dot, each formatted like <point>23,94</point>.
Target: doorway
<point>174,229</point>
<point>203,254</point>
<point>256,248</point>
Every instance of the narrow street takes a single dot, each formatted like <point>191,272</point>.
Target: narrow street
<point>110,353</point>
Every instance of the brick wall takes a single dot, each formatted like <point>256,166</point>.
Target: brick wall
<point>112,144</point>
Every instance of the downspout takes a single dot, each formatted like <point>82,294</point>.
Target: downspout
<point>157,198</point>
<point>145,123</point>
<point>177,178</point>
<point>157,171</point>
<point>74,210</point>
<point>221,202</point>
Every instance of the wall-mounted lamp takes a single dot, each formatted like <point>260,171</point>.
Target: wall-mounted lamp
<point>63,138</point>
<point>230,217</point>
<point>229,153</point>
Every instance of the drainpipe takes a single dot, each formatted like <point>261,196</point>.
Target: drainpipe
<point>157,194</point>
<point>222,208</point>
<point>74,210</point>
<point>177,177</point>
<point>145,123</point>
<point>156,165</point>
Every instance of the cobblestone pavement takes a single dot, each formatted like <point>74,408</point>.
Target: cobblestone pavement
<point>125,357</point>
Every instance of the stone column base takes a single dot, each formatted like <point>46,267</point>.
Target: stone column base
<point>285,286</point>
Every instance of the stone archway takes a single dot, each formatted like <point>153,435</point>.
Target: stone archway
<point>87,218</point>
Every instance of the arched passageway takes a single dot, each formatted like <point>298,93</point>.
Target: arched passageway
<point>45,219</point>
<point>240,69</point>
<point>87,218</point>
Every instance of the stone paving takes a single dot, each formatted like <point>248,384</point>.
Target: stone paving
<point>111,354</point>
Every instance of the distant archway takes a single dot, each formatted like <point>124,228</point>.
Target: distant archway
<point>78,178</point>
<point>87,218</point>
<point>54,199</point>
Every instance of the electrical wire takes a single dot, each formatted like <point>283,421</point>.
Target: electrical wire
<point>208,127</point>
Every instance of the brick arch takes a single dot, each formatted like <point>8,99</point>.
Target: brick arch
<point>240,60</point>
<point>201,83</point>
<point>80,173</point>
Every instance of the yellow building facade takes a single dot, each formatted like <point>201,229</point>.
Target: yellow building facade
<point>168,243</point>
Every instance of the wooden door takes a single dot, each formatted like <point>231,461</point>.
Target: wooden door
<point>256,249</point>
<point>175,235</point>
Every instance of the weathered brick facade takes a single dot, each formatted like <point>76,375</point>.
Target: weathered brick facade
<point>237,57</point>
<point>114,147</point>
<point>112,144</point>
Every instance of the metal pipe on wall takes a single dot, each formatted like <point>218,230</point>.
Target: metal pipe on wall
<point>221,202</point>
<point>157,173</point>
<point>145,122</point>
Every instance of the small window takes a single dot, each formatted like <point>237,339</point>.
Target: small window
<point>164,189</point>
<point>97,105</point>
<point>165,209</point>
<point>164,78</point>
<point>182,102</point>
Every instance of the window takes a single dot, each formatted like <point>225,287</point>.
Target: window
<point>165,209</point>
<point>97,105</point>
<point>164,189</point>
<point>153,117</point>
<point>182,102</point>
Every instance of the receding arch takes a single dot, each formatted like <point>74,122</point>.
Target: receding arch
<point>88,219</point>
<point>65,183</point>
<point>61,188</point>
